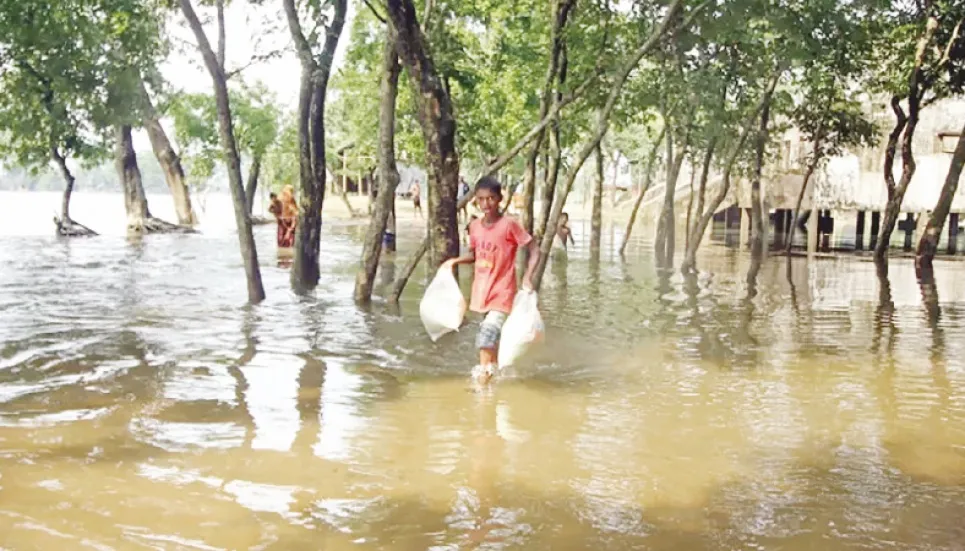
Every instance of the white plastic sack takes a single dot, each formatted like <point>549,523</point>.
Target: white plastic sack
<point>522,329</point>
<point>443,306</point>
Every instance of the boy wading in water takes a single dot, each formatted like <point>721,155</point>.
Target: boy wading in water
<point>493,242</point>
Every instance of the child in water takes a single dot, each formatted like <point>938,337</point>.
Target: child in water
<point>564,235</point>
<point>493,242</point>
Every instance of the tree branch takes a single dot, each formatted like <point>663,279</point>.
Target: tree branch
<point>375,12</point>
<point>256,59</point>
<point>203,43</point>
<point>505,158</point>
<point>951,42</point>
<point>221,34</point>
<point>426,14</point>
<point>302,46</point>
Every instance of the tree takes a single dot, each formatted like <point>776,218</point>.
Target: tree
<point>53,105</point>
<point>216,68</point>
<point>388,172</point>
<point>168,158</point>
<point>644,187</point>
<point>316,69</point>
<point>258,120</point>
<point>554,73</point>
<point>438,128</point>
<point>602,122</point>
<point>928,244</point>
<point>596,216</point>
<point>951,64</point>
<point>256,127</point>
<point>831,122</point>
<point>922,63</point>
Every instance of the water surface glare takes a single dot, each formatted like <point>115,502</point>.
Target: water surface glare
<point>143,405</point>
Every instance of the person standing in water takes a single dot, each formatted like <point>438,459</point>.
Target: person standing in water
<point>564,236</point>
<point>288,219</point>
<point>274,205</point>
<point>416,193</point>
<point>494,240</point>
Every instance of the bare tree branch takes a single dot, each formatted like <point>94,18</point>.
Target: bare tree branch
<point>375,12</point>
<point>256,59</point>
<point>951,42</point>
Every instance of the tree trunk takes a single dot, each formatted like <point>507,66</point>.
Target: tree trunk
<point>601,127</point>
<point>666,239</point>
<point>246,241</point>
<point>893,206</point>
<point>554,159</point>
<point>690,205</point>
<point>254,172</point>
<point>388,172</point>
<point>647,181</point>
<point>69,184</point>
<point>812,166</point>
<point>169,160</point>
<point>438,128</point>
<point>596,219</point>
<point>928,245</point>
<point>561,13</point>
<point>757,213</point>
<point>311,140</point>
<point>65,224</point>
<point>896,192</point>
<point>702,187</point>
<point>703,218</point>
<point>529,185</point>
<point>552,177</point>
<point>125,162</point>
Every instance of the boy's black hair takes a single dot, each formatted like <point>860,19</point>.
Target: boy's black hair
<point>272,195</point>
<point>491,184</point>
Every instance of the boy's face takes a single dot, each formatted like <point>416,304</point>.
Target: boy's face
<point>487,201</point>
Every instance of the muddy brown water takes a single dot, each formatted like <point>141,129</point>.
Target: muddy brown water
<point>144,406</point>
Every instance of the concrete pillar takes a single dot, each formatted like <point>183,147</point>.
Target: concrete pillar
<point>813,231</point>
<point>780,227</point>
<point>826,229</point>
<point>909,229</point>
<point>730,223</point>
<point>953,233</point>
<point>745,232</point>
<point>875,228</point>
<point>859,232</point>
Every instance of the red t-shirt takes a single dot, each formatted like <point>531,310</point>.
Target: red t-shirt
<point>494,285</point>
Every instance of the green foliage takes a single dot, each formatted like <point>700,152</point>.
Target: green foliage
<point>280,166</point>
<point>256,126</point>
<point>897,29</point>
<point>67,74</point>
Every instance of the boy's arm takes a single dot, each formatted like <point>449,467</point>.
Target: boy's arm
<point>533,250</point>
<point>464,259</point>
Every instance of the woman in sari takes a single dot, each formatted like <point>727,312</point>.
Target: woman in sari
<point>288,219</point>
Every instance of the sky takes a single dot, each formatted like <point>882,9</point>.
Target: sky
<point>250,31</point>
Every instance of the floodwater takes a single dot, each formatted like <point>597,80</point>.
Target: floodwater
<point>143,405</point>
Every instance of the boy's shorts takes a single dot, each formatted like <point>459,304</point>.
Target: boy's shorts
<point>488,336</point>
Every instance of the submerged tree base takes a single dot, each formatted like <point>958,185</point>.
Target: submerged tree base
<point>68,228</point>
<point>156,225</point>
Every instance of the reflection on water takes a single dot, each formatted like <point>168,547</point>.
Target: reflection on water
<point>143,405</point>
